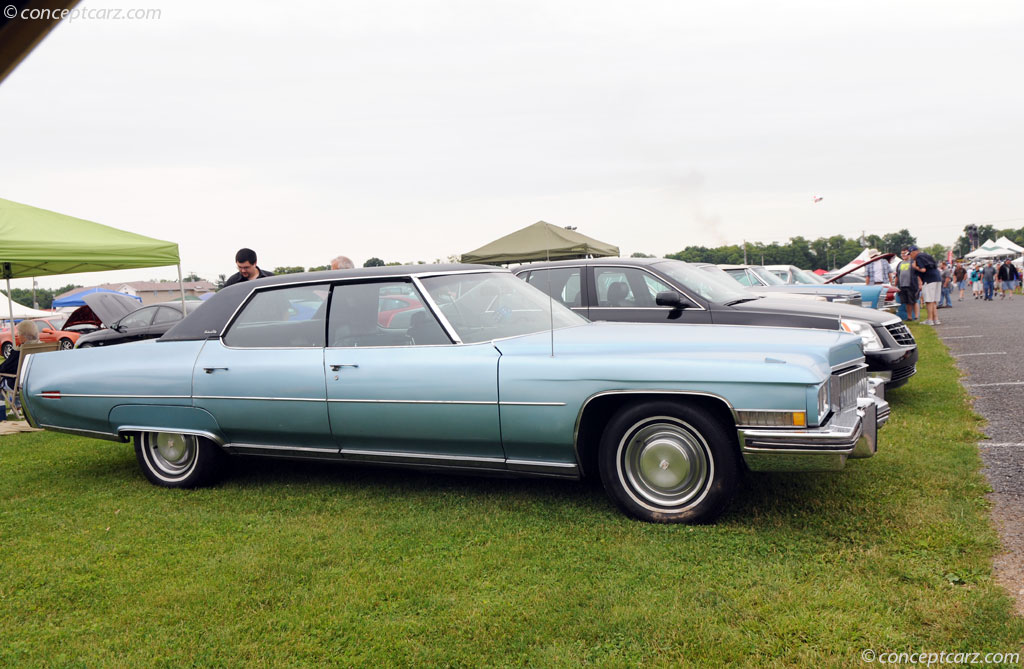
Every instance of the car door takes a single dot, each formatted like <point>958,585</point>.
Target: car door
<point>407,394</point>
<point>263,379</point>
<point>565,284</point>
<point>627,294</point>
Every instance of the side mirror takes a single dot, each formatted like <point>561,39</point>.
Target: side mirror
<point>670,298</point>
<point>48,331</point>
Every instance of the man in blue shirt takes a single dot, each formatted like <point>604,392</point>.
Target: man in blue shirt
<point>931,282</point>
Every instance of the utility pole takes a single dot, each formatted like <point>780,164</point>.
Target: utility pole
<point>35,303</point>
<point>744,252</point>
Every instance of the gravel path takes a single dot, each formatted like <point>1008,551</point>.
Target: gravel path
<point>984,337</point>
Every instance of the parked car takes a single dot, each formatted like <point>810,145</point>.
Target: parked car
<point>653,290</point>
<point>763,282</point>
<point>875,297</point>
<point>144,323</point>
<point>47,327</point>
<point>490,376</point>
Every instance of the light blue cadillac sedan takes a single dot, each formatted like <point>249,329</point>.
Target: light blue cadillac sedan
<point>477,372</point>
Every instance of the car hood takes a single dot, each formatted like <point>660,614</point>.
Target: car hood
<point>796,307</point>
<point>111,307</point>
<point>799,289</point>
<point>766,350</point>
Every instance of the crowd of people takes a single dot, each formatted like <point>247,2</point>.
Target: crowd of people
<point>923,281</point>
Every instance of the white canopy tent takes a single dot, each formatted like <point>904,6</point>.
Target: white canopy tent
<point>20,311</point>
<point>989,249</point>
<point>1009,245</point>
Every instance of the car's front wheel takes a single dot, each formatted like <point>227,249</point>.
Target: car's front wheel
<point>6,349</point>
<point>665,462</point>
<point>175,460</point>
<point>66,344</point>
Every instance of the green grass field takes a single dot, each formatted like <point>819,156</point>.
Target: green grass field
<point>306,564</point>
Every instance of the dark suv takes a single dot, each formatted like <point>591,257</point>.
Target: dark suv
<point>658,290</point>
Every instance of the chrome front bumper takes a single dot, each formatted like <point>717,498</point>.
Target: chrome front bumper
<point>850,434</point>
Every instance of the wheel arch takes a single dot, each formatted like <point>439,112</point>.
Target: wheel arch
<point>598,410</point>
<point>128,420</point>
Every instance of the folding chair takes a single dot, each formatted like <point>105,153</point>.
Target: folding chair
<point>27,349</point>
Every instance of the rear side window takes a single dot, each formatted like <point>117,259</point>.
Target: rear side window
<point>282,318</point>
<point>166,315</point>
<point>563,284</point>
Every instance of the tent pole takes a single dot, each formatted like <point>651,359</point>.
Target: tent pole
<point>10,312</point>
<point>181,287</point>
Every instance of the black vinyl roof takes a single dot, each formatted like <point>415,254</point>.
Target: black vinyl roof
<point>209,321</point>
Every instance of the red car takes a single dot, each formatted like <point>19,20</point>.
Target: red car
<point>49,330</point>
<point>391,305</point>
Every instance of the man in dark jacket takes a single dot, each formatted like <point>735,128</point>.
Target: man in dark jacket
<point>931,282</point>
<point>245,261</point>
<point>1008,277</point>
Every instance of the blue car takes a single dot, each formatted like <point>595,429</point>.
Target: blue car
<point>488,375</point>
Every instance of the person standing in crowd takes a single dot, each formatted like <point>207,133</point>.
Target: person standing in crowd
<point>906,281</point>
<point>946,297</point>
<point>931,282</point>
<point>1008,277</point>
<point>342,262</point>
<point>874,272</point>
<point>245,261</point>
<point>960,279</point>
<point>988,278</point>
<point>976,281</point>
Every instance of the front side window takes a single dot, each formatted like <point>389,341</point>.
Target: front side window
<point>372,314</point>
<point>709,285</point>
<point>281,318</point>
<point>483,306</point>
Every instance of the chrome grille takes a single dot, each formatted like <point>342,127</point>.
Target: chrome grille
<point>901,334</point>
<point>847,385</point>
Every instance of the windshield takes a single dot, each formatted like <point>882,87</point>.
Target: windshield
<point>494,305</point>
<point>766,276</point>
<point>805,277</point>
<point>711,282</point>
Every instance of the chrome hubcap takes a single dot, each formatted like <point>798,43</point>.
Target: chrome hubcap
<point>666,463</point>
<point>172,452</point>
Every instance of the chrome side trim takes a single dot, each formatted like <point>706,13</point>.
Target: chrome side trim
<point>272,399</point>
<point>541,463</point>
<point>268,447</point>
<point>532,404</point>
<point>177,430</point>
<point>855,362</point>
<point>420,457</point>
<point>97,395</point>
<point>352,401</point>
<point>83,433</point>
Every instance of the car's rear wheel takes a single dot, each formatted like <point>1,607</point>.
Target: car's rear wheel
<point>6,348</point>
<point>665,462</point>
<point>66,344</point>
<point>175,460</point>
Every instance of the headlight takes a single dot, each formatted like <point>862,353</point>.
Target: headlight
<point>865,331</point>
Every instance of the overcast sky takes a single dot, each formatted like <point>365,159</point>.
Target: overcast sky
<point>421,129</point>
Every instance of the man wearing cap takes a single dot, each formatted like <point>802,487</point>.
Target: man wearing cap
<point>931,282</point>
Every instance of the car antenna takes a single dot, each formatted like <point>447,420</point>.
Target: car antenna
<point>551,302</point>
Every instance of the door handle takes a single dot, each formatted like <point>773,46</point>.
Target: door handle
<point>210,370</point>
<point>335,368</point>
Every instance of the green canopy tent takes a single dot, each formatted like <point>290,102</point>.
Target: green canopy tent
<point>36,242</point>
<point>540,241</point>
